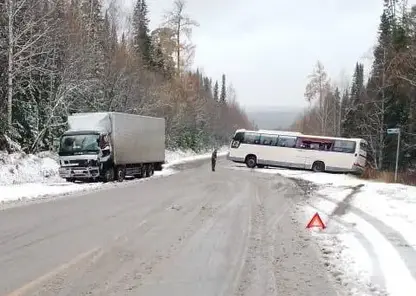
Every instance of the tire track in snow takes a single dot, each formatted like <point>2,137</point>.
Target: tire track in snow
<point>390,260</point>
<point>407,254</point>
<point>377,277</point>
<point>365,225</point>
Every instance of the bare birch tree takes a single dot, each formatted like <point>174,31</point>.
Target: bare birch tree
<point>25,44</point>
<point>317,91</point>
<point>182,24</point>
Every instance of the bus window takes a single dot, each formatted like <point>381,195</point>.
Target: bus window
<point>344,146</point>
<point>239,137</point>
<point>300,144</point>
<point>251,138</point>
<point>269,140</point>
<point>314,144</point>
<point>287,141</point>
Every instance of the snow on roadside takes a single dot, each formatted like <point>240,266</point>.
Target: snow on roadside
<point>18,168</point>
<point>392,204</point>
<point>369,244</point>
<point>27,191</point>
<point>178,156</point>
<point>24,177</point>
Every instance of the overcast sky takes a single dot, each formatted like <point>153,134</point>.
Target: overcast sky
<point>267,48</point>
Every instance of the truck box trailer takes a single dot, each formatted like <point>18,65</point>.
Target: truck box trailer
<point>110,145</point>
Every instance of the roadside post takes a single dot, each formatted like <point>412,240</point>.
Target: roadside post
<point>395,131</point>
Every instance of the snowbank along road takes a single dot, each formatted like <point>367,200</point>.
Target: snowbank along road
<point>193,233</point>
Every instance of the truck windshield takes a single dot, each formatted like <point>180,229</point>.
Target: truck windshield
<point>79,144</point>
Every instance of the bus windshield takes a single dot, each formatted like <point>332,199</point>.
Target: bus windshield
<point>239,136</point>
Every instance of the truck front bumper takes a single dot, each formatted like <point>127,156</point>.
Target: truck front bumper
<point>79,172</point>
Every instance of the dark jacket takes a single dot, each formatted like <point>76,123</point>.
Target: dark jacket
<point>214,155</point>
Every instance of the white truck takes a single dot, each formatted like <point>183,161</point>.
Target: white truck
<point>108,146</point>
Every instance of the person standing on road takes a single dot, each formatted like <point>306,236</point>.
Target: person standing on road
<point>213,159</point>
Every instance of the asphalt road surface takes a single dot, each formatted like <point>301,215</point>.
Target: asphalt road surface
<point>196,233</point>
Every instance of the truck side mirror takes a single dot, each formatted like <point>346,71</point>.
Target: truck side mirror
<point>56,144</point>
<point>103,142</point>
<point>106,151</point>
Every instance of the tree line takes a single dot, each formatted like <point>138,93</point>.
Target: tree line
<point>368,107</point>
<point>65,56</point>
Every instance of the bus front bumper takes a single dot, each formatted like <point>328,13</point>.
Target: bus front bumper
<point>235,159</point>
<point>357,169</point>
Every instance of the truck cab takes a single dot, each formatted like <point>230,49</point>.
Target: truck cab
<point>84,154</point>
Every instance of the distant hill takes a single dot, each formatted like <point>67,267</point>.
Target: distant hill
<point>273,117</point>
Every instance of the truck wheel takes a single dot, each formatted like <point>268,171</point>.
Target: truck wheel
<point>70,180</point>
<point>143,171</point>
<point>120,174</point>
<point>158,166</point>
<point>146,172</point>
<point>109,175</point>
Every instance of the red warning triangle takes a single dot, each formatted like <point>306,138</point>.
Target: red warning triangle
<point>316,221</point>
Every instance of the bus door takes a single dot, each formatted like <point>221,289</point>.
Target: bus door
<point>289,154</point>
<point>314,149</point>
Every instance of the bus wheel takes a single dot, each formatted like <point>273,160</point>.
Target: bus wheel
<point>251,161</point>
<point>318,166</point>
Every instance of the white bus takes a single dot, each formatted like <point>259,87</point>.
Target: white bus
<point>296,150</point>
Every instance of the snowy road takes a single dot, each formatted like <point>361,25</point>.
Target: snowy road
<point>192,233</point>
